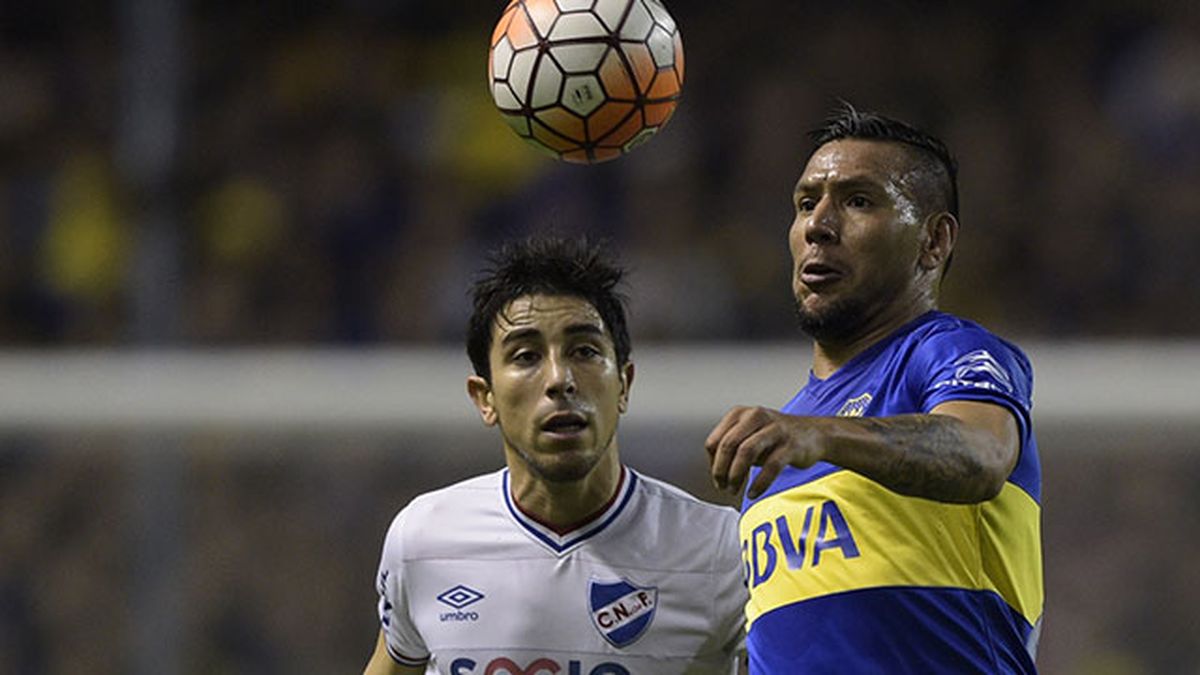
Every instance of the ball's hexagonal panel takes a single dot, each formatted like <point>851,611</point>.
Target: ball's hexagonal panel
<point>662,47</point>
<point>579,58</point>
<point>502,55</point>
<point>520,31</point>
<point>610,12</point>
<point>521,71</point>
<point>543,14</point>
<point>582,94</point>
<point>641,137</point>
<point>577,26</point>
<point>547,86</point>
<point>661,17</point>
<point>616,78</point>
<point>504,97</point>
<point>638,24</point>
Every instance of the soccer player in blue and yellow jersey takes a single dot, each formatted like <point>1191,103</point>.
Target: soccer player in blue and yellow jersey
<point>891,513</point>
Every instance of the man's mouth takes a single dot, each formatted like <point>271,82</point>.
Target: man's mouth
<point>565,423</point>
<point>816,275</point>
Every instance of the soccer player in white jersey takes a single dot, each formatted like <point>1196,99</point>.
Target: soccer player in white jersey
<point>566,561</point>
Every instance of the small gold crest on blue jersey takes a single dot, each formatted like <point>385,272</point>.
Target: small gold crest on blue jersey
<point>855,407</point>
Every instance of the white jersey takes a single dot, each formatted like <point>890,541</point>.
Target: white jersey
<point>471,585</point>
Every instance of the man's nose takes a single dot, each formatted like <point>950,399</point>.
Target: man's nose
<point>560,378</point>
<point>824,223</point>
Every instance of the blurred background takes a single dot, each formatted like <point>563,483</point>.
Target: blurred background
<point>235,241</point>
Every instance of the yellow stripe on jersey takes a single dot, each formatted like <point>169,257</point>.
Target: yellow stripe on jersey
<point>1011,548</point>
<point>843,532</point>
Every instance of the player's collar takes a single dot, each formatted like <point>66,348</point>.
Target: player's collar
<point>562,543</point>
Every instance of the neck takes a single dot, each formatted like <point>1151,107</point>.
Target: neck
<point>830,355</point>
<point>562,504</point>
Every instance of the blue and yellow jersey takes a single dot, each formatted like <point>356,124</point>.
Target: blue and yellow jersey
<point>847,576</point>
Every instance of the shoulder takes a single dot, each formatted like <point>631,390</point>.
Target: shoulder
<point>946,339</point>
<point>451,498</point>
<point>674,498</point>
<point>947,331</point>
<point>957,357</point>
<point>452,508</point>
<point>701,533</point>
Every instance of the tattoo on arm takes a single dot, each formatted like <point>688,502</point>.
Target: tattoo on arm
<point>928,456</point>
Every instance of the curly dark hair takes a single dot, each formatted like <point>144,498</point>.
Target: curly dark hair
<point>551,266</point>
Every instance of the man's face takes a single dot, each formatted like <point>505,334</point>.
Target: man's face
<point>856,238</point>
<point>556,391</point>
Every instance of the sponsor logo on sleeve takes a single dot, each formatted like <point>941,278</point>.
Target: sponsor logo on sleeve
<point>981,370</point>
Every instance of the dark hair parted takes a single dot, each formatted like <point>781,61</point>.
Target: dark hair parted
<point>545,266</point>
<point>847,122</point>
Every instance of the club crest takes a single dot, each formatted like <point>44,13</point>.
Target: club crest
<point>855,407</point>
<point>621,611</point>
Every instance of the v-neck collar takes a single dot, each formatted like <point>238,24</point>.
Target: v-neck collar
<point>581,532</point>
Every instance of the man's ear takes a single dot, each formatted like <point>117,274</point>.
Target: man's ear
<point>941,232</point>
<point>481,395</point>
<point>626,383</point>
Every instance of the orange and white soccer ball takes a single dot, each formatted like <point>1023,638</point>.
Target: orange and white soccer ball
<point>586,80</point>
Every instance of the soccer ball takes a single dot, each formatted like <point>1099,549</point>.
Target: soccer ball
<point>586,80</point>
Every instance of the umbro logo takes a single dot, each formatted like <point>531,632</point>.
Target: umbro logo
<point>460,596</point>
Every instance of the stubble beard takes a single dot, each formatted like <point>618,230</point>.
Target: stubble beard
<point>836,322</point>
<point>564,467</point>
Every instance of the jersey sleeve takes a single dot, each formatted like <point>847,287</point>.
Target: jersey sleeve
<point>403,640</point>
<point>974,365</point>
<point>730,600</point>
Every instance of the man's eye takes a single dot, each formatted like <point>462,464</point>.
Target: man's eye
<point>858,202</point>
<point>525,357</point>
<point>588,351</point>
<point>805,205</point>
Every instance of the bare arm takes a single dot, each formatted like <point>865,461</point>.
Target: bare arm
<point>382,663</point>
<point>961,452</point>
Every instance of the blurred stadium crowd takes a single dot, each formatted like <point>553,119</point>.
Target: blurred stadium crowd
<point>339,170</point>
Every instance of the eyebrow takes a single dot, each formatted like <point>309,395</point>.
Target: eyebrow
<point>850,182</point>
<point>573,329</point>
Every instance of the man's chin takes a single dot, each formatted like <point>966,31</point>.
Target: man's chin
<point>565,473</point>
<point>565,466</point>
<point>827,321</point>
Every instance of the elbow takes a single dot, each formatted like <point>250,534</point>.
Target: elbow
<point>993,473</point>
<point>980,486</point>
<point>976,489</point>
<point>990,486</point>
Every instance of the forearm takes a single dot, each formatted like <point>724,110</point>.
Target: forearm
<point>381,662</point>
<point>932,456</point>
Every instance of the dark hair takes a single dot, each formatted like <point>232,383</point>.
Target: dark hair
<point>550,266</point>
<point>847,122</point>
